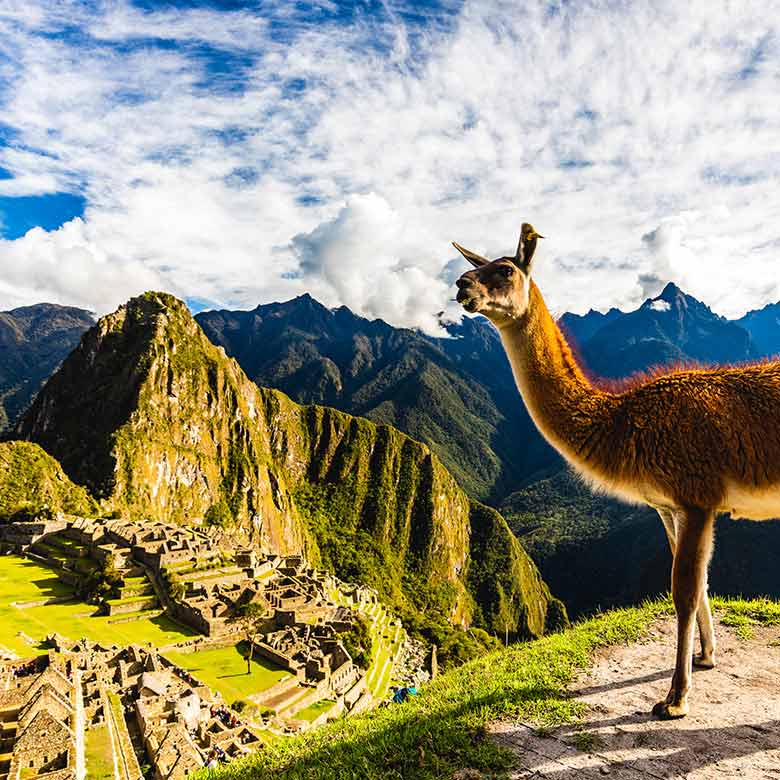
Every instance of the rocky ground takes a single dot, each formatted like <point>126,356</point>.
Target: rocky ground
<point>733,729</point>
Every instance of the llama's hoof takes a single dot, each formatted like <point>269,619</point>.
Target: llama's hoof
<point>701,661</point>
<point>666,711</point>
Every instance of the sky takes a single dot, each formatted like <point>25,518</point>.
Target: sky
<point>240,153</point>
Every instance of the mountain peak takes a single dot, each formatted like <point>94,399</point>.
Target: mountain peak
<point>670,293</point>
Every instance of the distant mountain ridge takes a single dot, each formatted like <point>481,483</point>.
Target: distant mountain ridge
<point>620,552</point>
<point>34,340</point>
<point>671,328</point>
<point>457,395</point>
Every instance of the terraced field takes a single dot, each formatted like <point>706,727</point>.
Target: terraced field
<point>23,582</point>
<point>224,670</point>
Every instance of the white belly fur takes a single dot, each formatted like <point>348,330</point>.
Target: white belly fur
<point>751,504</point>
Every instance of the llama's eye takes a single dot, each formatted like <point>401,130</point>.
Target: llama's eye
<point>506,270</point>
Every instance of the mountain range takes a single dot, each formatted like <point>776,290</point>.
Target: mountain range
<point>157,422</point>
<point>33,342</point>
<point>457,396</point>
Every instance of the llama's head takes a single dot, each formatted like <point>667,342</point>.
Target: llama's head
<point>499,289</point>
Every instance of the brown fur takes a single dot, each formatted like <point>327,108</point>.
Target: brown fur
<point>690,442</point>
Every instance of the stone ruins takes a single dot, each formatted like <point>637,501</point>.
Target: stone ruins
<point>150,711</point>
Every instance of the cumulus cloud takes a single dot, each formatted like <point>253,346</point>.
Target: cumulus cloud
<point>230,155</point>
<point>366,259</point>
<point>66,266</point>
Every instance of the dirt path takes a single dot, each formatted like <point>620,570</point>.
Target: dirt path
<point>733,729</point>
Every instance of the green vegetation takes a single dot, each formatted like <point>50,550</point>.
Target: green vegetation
<point>365,501</point>
<point>23,580</point>
<point>358,642</point>
<point>102,581</point>
<point>313,711</point>
<point>219,514</point>
<point>586,741</point>
<point>224,669</point>
<point>247,619</point>
<point>443,728</point>
<point>743,616</point>
<point>98,753</point>
<point>33,483</point>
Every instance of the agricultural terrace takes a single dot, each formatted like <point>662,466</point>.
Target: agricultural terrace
<point>224,670</point>
<point>24,583</point>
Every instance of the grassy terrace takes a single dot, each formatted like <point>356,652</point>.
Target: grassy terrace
<point>23,580</point>
<point>224,669</point>
<point>443,729</point>
<point>97,753</point>
<point>313,711</point>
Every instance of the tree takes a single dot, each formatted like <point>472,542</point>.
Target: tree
<point>247,617</point>
<point>358,642</point>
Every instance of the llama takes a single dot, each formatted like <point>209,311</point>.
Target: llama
<point>690,443</point>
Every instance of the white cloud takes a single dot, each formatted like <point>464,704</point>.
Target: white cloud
<point>66,266</point>
<point>364,258</point>
<point>660,305</point>
<point>600,122</point>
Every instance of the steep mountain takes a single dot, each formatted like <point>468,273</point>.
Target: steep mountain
<point>158,422</point>
<point>32,482</point>
<point>763,325</point>
<point>672,328</point>
<point>34,340</point>
<point>455,394</point>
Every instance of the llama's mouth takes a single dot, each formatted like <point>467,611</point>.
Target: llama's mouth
<point>466,300</point>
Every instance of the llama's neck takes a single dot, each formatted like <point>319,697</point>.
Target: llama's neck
<point>572,414</point>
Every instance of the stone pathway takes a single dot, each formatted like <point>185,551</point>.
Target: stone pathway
<point>733,729</point>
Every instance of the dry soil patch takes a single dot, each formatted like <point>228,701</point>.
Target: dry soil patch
<point>733,729</point>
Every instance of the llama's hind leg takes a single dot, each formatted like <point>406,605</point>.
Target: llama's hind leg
<point>689,577</point>
<point>706,658</point>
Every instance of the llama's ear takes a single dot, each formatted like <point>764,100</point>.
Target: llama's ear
<point>475,259</point>
<point>526,247</point>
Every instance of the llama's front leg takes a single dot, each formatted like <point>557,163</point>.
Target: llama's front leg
<point>689,577</point>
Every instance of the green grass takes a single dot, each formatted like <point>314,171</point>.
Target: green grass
<point>224,669</point>
<point>445,724</point>
<point>25,580</point>
<point>313,711</point>
<point>743,615</point>
<point>98,753</point>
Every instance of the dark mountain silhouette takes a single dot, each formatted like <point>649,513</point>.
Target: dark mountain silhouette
<point>763,325</point>
<point>34,340</point>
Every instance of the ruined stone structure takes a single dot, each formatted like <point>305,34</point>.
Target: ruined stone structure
<point>150,710</point>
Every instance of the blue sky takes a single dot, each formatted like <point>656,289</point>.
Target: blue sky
<point>235,153</point>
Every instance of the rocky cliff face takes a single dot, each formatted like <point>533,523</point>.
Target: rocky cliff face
<point>158,422</point>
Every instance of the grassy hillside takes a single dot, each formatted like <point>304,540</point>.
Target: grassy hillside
<point>32,482</point>
<point>443,729</point>
<point>159,423</point>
